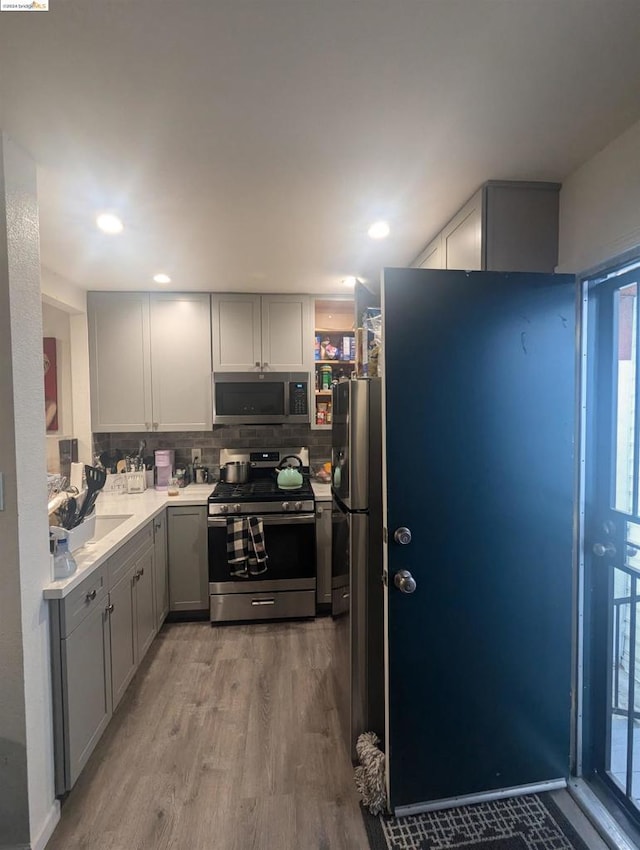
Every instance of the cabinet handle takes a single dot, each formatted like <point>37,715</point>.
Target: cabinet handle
<point>155,426</point>
<point>91,595</point>
<point>147,425</point>
<point>258,363</point>
<point>319,512</point>
<point>109,609</point>
<point>264,365</point>
<point>263,602</point>
<point>141,573</point>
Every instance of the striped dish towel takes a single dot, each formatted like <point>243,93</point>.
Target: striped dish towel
<point>246,552</point>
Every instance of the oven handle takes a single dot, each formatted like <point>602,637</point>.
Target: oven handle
<point>269,519</point>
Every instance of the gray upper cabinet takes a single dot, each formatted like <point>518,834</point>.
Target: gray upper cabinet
<point>505,226</point>
<point>188,565</point>
<point>286,332</point>
<point>261,332</point>
<point>237,332</point>
<point>180,327</point>
<point>462,237</point>
<point>431,257</point>
<point>150,361</point>
<point>120,361</point>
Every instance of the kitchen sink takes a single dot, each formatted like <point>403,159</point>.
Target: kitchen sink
<point>106,524</point>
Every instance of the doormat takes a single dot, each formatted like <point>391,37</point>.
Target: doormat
<point>532,822</point>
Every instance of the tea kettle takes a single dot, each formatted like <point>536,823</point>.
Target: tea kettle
<point>289,478</point>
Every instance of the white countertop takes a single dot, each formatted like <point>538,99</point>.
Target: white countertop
<point>140,509</point>
<point>322,492</point>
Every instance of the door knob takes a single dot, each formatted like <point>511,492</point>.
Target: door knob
<point>604,549</point>
<point>402,535</point>
<point>404,581</point>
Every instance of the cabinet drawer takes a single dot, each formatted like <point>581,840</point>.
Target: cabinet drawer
<point>81,601</point>
<point>120,562</point>
<point>225,607</point>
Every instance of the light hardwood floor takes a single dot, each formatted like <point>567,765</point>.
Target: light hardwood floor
<point>227,739</point>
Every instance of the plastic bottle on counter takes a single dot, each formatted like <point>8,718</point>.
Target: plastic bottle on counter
<point>64,564</point>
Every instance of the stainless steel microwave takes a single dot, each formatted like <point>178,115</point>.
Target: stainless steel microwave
<point>260,398</point>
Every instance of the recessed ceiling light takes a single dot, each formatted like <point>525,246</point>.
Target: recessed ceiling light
<point>379,230</point>
<point>162,278</point>
<point>109,223</point>
<point>349,281</point>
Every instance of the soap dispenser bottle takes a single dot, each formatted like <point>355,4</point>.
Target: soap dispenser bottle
<point>64,564</point>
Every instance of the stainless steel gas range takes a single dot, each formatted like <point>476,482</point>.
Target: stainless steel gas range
<point>262,540</point>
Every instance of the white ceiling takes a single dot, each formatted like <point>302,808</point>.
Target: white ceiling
<point>248,145</point>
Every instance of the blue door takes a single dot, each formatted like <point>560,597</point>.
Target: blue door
<point>479,408</point>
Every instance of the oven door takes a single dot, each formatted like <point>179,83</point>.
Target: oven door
<point>290,543</point>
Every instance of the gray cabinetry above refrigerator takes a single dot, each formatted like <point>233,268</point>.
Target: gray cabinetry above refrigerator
<point>505,226</point>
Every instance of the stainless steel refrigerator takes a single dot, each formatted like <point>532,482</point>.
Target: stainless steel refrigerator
<point>357,588</point>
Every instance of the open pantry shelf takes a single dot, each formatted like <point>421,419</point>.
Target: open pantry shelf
<point>334,329</point>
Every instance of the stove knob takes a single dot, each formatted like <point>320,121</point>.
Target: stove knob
<point>223,509</point>
<point>298,506</point>
<point>285,506</point>
<point>237,508</point>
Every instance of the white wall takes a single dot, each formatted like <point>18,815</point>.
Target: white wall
<point>25,519</point>
<point>56,323</point>
<point>65,298</point>
<point>600,206</point>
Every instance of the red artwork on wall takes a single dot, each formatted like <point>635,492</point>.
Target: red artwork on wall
<point>50,382</point>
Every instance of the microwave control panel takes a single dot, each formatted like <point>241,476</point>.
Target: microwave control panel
<point>298,400</point>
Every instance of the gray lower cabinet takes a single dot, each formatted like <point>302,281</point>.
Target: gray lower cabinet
<point>122,627</point>
<point>188,565</point>
<point>99,634</point>
<point>161,570</point>
<point>81,675</point>
<point>145,604</point>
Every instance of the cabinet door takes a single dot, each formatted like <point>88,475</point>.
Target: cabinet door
<point>145,610</point>
<point>119,361</point>
<point>160,571</point>
<point>123,635</point>
<point>86,689</point>
<point>462,237</point>
<point>432,257</point>
<point>181,361</point>
<point>236,332</point>
<point>188,566</point>
<point>287,333</point>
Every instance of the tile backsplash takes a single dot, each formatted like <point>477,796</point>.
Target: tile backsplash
<point>221,437</point>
